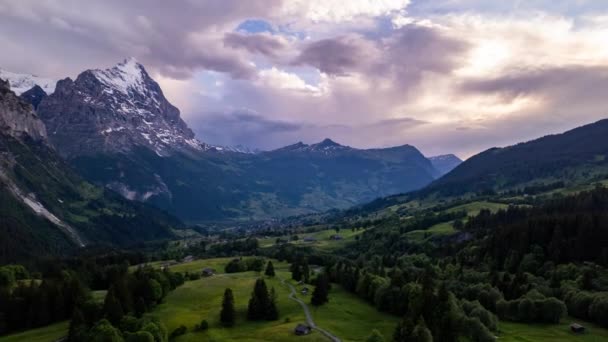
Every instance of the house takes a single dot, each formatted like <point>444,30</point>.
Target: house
<point>309,239</point>
<point>335,237</point>
<point>167,265</point>
<point>208,272</point>
<point>302,329</point>
<point>189,258</point>
<point>577,328</point>
<point>304,291</point>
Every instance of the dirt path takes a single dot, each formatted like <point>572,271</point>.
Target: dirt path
<point>309,319</point>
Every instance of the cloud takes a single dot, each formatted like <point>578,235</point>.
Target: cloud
<point>445,76</point>
<point>337,11</point>
<point>242,127</point>
<point>177,38</point>
<point>336,56</point>
<point>260,43</point>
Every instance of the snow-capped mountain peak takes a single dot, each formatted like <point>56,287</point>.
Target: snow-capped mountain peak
<point>21,83</point>
<point>125,77</point>
<point>125,109</point>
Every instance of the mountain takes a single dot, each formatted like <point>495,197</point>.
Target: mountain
<point>577,155</point>
<point>112,111</point>
<point>46,208</point>
<point>445,163</point>
<point>21,83</point>
<point>116,128</point>
<point>34,96</point>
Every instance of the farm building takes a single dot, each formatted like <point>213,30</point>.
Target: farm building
<point>302,329</point>
<point>577,328</point>
<point>208,272</point>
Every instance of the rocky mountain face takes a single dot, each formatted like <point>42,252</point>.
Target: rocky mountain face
<point>445,163</point>
<point>112,111</point>
<point>34,96</point>
<point>47,209</point>
<point>116,128</point>
<point>17,118</point>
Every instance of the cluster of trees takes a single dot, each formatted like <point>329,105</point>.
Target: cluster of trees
<point>244,265</point>
<point>592,306</point>
<point>129,329</point>
<point>30,303</point>
<point>120,316</point>
<point>568,229</point>
<point>300,271</point>
<point>263,303</point>
<point>246,247</point>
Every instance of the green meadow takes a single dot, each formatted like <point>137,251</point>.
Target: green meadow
<point>49,333</point>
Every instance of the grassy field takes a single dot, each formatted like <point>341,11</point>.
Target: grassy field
<point>201,299</point>
<point>349,317</point>
<point>517,332</point>
<point>217,264</point>
<point>46,334</point>
<point>441,229</point>
<point>474,208</point>
<point>322,238</point>
<point>346,316</point>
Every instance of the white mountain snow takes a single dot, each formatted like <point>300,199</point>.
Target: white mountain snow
<point>21,83</point>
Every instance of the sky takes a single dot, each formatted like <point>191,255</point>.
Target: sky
<point>447,76</point>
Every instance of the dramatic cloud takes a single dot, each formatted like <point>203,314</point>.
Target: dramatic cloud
<point>262,43</point>
<point>446,76</point>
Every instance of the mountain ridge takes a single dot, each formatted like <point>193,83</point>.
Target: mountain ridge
<point>116,128</point>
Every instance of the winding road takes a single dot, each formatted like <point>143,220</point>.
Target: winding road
<point>309,319</point>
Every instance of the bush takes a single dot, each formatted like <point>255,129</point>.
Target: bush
<point>178,332</point>
<point>203,326</point>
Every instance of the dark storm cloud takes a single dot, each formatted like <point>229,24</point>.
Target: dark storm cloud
<point>401,58</point>
<point>262,43</point>
<point>571,83</point>
<point>414,50</point>
<point>334,56</point>
<point>174,37</point>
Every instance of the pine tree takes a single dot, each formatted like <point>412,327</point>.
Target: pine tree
<point>228,314</point>
<point>305,272</point>
<point>77,327</point>
<point>140,307</point>
<point>260,301</point>
<point>421,333</point>
<point>296,271</point>
<point>112,307</point>
<point>273,312</point>
<point>321,292</point>
<point>269,269</point>
<point>403,332</point>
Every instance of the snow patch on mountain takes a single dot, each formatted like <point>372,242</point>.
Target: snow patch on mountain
<point>21,83</point>
<point>125,77</point>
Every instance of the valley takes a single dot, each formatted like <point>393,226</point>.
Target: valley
<point>310,185</point>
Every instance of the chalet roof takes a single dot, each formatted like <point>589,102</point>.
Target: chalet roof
<point>302,328</point>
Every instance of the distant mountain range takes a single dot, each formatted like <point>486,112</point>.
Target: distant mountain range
<point>445,163</point>
<point>116,128</point>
